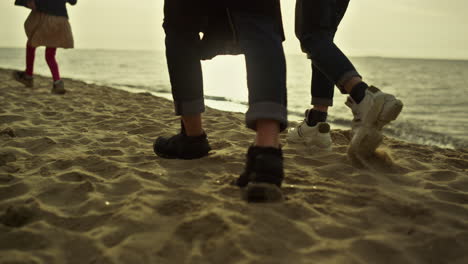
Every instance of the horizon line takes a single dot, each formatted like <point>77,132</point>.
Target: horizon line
<point>287,53</point>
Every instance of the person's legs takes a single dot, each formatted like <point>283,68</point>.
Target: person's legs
<point>52,62</point>
<point>322,89</point>
<point>185,72</point>
<point>267,114</point>
<point>183,60</point>
<point>266,70</point>
<point>182,24</point>
<point>323,18</point>
<point>182,29</point>
<point>58,85</point>
<point>26,77</point>
<point>370,107</point>
<point>313,131</point>
<point>30,57</point>
<point>316,24</point>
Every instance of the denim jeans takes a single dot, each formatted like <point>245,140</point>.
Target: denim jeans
<point>316,24</point>
<point>266,67</point>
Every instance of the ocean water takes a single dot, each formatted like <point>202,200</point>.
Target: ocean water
<point>434,92</point>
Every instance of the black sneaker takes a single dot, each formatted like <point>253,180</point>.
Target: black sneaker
<point>263,175</point>
<point>182,146</point>
<point>58,87</point>
<point>23,78</point>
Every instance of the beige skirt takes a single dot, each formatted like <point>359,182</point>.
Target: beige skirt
<point>49,31</point>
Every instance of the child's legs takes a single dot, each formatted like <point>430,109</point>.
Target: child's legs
<point>53,66</point>
<point>30,56</point>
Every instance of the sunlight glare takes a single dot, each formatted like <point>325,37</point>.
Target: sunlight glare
<point>225,76</point>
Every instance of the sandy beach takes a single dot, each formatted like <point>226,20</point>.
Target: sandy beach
<point>79,183</point>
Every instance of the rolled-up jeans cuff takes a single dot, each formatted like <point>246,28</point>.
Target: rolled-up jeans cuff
<point>322,101</point>
<point>345,78</point>
<point>266,110</point>
<point>189,107</point>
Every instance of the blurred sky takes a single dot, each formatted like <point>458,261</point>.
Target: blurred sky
<point>397,28</point>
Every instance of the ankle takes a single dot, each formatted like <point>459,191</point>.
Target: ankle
<point>349,85</point>
<point>314,116</point>
<point>321,108</point>
<point>267,134</point>
<point>194,133</point>
<point>192,125</point>
<point>358,92</point>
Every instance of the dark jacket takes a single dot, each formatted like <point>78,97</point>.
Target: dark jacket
<point>215,18</point>
<point>50,7</point>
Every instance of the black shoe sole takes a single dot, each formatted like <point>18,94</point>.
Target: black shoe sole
<point>263,193</point>
<point>169,156</point>
<point>162,155</point>
<point>53,91</point>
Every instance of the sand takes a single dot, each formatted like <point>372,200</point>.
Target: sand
<point>79,183</point>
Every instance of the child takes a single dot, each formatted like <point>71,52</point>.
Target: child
<point>47,25</point>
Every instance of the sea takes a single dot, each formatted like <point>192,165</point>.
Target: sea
<point>434,91</point>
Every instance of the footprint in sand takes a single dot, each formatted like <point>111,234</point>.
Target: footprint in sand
<point>457,197</point>
<point>439,175</point>
<point>109,152</point>
<point>6,179</point>
<point>177,207</point>
<point>5,119</point>
<point>6,157</point>
<point>80,223</point>
<point>13,191</point>
<point>371,251</point>
<point>461,185</point>
<point>335,232</point>
<point>17,216</point>
<point>52,115</point>
<point>441,249</point>
<point>29,131</point>
<point>76,176</point>
<point>23,240</point>
<point>207,227</point>
<point>38,146</point>
<point>66,194</point>
<point>458,163</point>
<point>99,166</point>
<point>9,132</point>
<point>122,187</point>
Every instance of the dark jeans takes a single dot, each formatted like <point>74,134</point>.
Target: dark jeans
<point>316,24</point>
<point>264,57</point>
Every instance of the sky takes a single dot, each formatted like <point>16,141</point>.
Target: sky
<point>397,28</point>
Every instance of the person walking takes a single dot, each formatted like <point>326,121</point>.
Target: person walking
<point>253,28</point>
<point>47,25</point>
<point>316,26</point>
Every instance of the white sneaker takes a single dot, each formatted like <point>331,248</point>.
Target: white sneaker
<point>316,136</point>
<point>375,111</point>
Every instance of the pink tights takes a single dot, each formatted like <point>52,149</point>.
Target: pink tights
<point>50,58</point>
